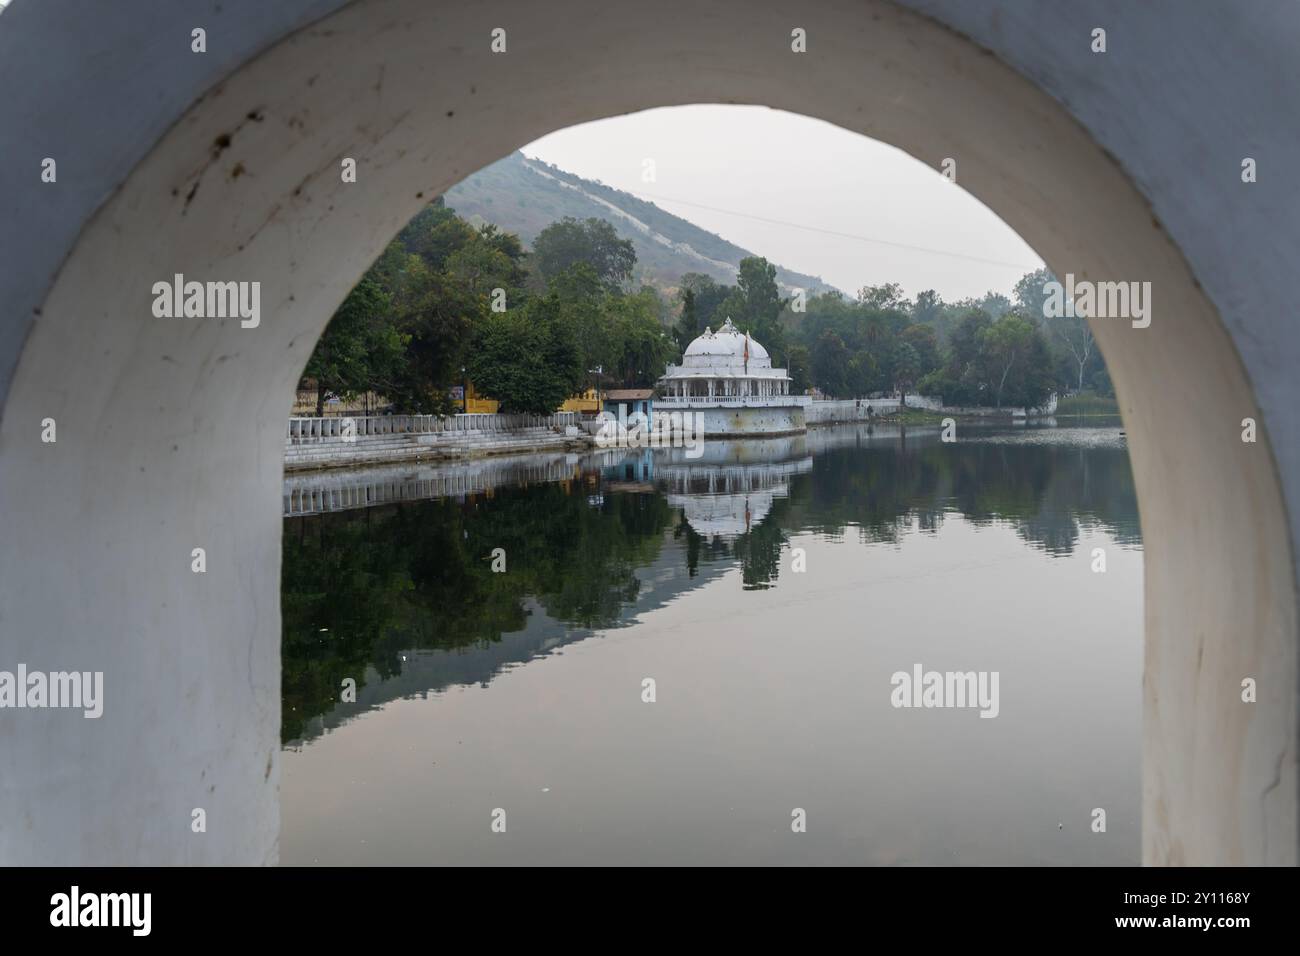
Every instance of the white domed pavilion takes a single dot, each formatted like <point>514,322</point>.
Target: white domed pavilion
<point>728,378</point>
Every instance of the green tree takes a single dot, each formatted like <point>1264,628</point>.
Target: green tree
<point>965,344</point>
<point>1030,292</point>
<point>434,233</point>
<point>360,346</point>
<point>883,298</point>
<point>830,364</point>
<point>928,309</point>
<point>480,266</point>
<point>961,380</point>
<point>755,304</point>
<point>1071,335</point>
<point>709,295</point>
<point>568,242</point>
<point>905,369</point>
<point>1003,344</point>
<point>527,358</point>
<point>863,375</point>
<point>800,369</point>
<point>687,328</point>
<point>925,342</point>
<point>1035,379</point>
<point>995,304</point>
<point>437,315</point>
<point>583,301</point>
<point>641,346</point>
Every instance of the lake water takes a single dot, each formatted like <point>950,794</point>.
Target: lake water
<point>770,590</point>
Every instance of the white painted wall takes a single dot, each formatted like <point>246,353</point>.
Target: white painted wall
<point>1097,162</point>
<point>849,410</point>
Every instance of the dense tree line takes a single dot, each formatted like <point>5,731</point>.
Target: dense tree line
<point>448,302</point>
<point>988,351</point>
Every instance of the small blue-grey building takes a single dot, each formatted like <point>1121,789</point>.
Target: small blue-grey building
<point>623,403</point>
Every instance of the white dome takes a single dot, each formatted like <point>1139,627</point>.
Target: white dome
<point>725,348</point>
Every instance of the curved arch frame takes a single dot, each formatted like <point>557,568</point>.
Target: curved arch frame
<point>170,432</point>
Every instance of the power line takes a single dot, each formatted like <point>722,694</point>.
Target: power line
<point>842,235</point>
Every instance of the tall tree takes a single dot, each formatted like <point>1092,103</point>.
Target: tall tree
<point>709,295</point>
<point>995,304</point>
<point>583,301</point>
<point>755,304</point>
<point>1030,292</point>
<point>434,233</point>
<point>883,298</point>
<point>830,364</point>
<point>1002,345</point>
<point>641,344</point>
<point>799,369</point>
<point>360,346</point>
<point>437,314</point>
<point>904,367</point>
<point>526,358</point>
<point>568,242</point>
<point>864,374</point>
<point>687,328</point>
<point>927,309</point>
<point>925,342</point>
<point>485,262</point>
<point>1072,335</point>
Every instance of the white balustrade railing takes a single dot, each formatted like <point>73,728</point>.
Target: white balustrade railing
<point>359,427</point>
<point>732,401</point>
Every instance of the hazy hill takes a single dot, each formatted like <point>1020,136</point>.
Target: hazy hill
<point>524,196</point>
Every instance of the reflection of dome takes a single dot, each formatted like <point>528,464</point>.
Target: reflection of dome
<point>725,348</point>
<point>733,486</point>
<point>723,516</point>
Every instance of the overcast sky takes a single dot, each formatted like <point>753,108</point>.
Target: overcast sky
<point>729,168</point>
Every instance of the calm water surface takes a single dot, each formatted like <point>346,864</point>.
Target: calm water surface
<point>523,690</point>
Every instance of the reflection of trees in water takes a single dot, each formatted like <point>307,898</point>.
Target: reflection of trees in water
<point>361,587</point>
<point>358,588</point>
<point>758,550</point>
<point>1047,493</point>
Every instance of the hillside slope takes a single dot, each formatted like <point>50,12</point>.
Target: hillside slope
<point>524,196</point>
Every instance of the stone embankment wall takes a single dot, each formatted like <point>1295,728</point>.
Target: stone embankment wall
<point>340,441</point>
<point>861,410</point>
<point>851,410</point>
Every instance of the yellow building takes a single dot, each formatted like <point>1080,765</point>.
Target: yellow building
<point>479,404</point>
<point>587,401</point>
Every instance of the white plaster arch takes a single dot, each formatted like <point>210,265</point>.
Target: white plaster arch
<point>171,431</point>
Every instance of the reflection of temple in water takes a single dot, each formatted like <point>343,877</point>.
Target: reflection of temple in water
<point>724,492</point>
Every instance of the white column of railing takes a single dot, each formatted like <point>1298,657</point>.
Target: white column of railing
<point>331,428</point>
